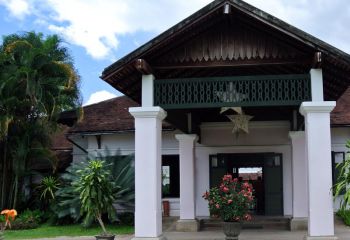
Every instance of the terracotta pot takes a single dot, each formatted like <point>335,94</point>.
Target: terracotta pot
<point>232,230</point>
<point>110,237</point>
<point>166,208</point>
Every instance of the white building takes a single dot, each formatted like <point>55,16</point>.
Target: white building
<point>228,54</point>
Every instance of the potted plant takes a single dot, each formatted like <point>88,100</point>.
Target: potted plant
<point>231,201</point>
<point>96,194</point>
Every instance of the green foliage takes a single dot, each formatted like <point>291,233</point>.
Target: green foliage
<point>28,219</point>
<point>122,174</point>
<point>127,218</point>
<point>48,186</point>
<point>68,200</point>
<point>343,181</point>
<point>96,192</point>
<point>232,200</point>
<point>37,82</point>
<point>344,214</point>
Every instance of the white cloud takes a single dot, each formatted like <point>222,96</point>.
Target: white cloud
<point>98,25</point>
<point>17,8</point>
<point>99,97</point>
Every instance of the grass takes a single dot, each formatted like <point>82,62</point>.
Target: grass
<point>46,231</point>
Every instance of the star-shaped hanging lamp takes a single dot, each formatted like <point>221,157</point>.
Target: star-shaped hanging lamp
<point>240,122</point>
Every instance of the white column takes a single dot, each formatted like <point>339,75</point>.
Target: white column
<point>187,220</point>
<point>147,90</point>
<point>148,140</point>
<point>316,84</point>
<point>299,178</point>
<point>319,169</point>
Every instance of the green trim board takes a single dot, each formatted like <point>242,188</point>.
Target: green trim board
<point>262,90</point>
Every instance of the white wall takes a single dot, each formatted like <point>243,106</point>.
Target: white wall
<point>217,138</point>
<point>78,154</point>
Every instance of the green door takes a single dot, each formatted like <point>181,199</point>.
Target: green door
<point>273,185</point>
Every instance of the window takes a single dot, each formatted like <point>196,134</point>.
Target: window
<point>170,176</point>
<point>337,158</point>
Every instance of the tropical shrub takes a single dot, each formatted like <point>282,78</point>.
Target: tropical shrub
<point>28,219</point>
<point>344,214</point>
<point>47,188</point>
<point>127,218</point>
<point>340,188</point>
<point>96,192</point>
<point>8,215</point>
<point>231,201</point>
<point>122,174</point>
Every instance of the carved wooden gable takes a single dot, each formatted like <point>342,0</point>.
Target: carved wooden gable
<point>231,40</point>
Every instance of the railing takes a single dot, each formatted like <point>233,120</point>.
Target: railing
<point>265,90</point>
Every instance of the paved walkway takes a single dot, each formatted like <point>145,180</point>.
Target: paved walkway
<point>342,232</point>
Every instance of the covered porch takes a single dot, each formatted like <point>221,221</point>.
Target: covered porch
<point>231,55</point>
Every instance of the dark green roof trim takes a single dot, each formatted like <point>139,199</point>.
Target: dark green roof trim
<point>256,13</point>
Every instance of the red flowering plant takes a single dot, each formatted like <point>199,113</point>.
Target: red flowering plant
<point>232,200</point>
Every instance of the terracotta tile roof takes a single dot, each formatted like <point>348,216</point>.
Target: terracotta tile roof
<point>59,140</point>
<point>107,116</point>
<point>341,113</point>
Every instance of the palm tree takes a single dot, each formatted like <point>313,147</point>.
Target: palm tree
<point>37,82</point>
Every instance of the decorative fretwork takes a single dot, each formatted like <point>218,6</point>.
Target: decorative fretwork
<point>270,90</point>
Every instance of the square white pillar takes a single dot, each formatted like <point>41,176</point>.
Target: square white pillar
<point>148,141</point>
<point>187,220</point>
<point>319,169</point>
<point>299,178</point>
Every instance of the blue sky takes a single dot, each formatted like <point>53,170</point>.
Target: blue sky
<point>98,32</point>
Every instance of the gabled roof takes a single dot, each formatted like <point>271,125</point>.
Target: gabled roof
<point>124,77</point>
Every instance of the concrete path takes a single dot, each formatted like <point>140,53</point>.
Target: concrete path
<point>342,232</point>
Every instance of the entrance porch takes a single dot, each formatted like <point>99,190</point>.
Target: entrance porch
<point>231,56</point>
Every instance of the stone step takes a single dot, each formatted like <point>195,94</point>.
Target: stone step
<point>280,223</point>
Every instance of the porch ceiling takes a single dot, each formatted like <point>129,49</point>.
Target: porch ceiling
<point>245,42</point>
<point>180,117</point>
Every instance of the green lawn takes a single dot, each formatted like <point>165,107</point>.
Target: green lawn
<point>45,231</point>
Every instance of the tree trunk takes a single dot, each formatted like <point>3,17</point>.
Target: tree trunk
<point>99,219</point>
<point>15,192</point>
<point>4,175</point>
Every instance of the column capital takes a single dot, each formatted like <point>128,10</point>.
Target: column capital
<point>148,112</point>
<point>317,107</point>
<point>296,135</point>
<point>187,137</point>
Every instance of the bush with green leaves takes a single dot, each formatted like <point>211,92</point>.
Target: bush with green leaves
<point>122,174</point>
<point>47,188</point>
<point>341,187</point>
<point>127,218</point>
<point>344,215</point>
<point>28,219</point>
<point>2,228</point>
<point>96,192</point>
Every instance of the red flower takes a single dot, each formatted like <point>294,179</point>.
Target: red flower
<point>229,201</point>
<point>225,189</point>
<point>205,195</point>
<point>217,206</point>
<point>247,217</point>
